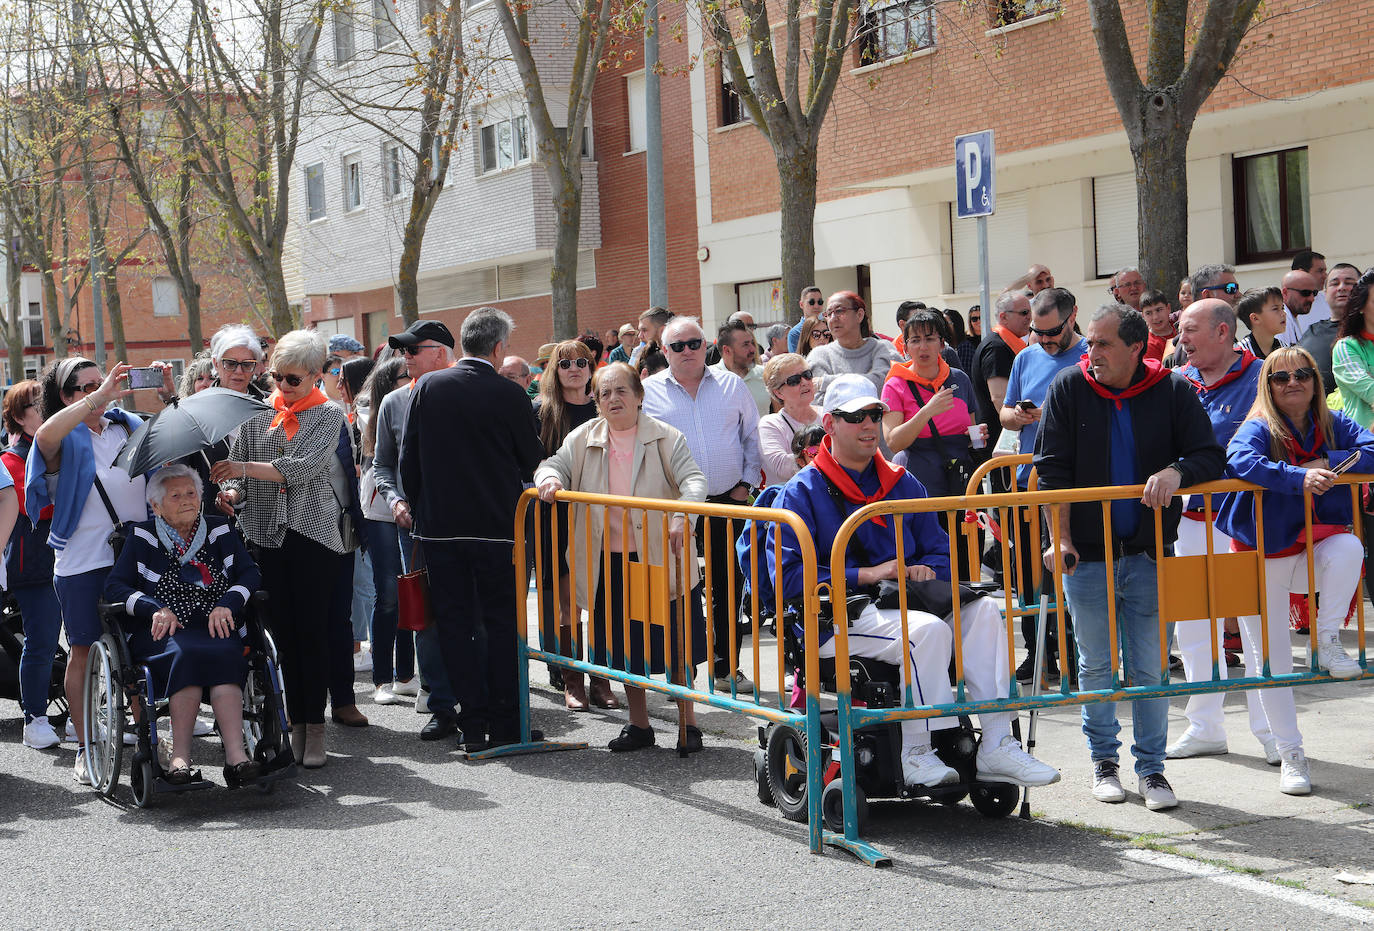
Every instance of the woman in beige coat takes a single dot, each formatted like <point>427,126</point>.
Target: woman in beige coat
<point>626,452</point>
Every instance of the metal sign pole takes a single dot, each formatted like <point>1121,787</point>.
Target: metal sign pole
<point>983,288</point>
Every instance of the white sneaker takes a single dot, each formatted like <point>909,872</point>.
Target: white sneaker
<point>69,733</point>
<point>1192,745</point>
<point>383,695</point>
<point>203,728</point>
<point>742,684</point>
<point>1107,782</point>
<point>422,702</point>
<point>1294,778</point>
<point>79,772</point>
<point>362,661</point>
<point>1331,656</point>
<point>409,688</point>
<point>39,734</point>
<point>921,767</point>
<point>1271,751</point>
<point>1008,762</point>
<point>1157,791</point>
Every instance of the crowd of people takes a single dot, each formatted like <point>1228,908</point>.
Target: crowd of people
<point>346,479</point>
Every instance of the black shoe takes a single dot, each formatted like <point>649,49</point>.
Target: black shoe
<point>1026,671</point>
<point>241,774</point>
<point>692,742</point>
<point>440,726</point>
<point>637,738</point>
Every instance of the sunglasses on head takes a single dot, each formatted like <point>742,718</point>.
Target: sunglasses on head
<point>566,364</point>
<point>1303,375</point>
<point>873,414</point>
<point>293,380</point>
<point>792,381</point>
<point>1051,332</point>
<point>1229,288</point>
<point>692,344</point>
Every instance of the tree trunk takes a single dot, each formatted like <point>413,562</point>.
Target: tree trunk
<point>412,244</point>
<point>1160,150</point>
<point>56,329</point>
<point>568,204</point>
<point>194,330</point>
<point>114,309</point>
<point>797,198</point>
<point>14,333</point>
<point>274,286</point>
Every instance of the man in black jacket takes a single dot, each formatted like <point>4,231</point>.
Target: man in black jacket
<point>1119,419</point>
<point>470,441</point>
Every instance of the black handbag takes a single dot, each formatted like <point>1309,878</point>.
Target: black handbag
<point>932,596</point>
<point>957,472</point>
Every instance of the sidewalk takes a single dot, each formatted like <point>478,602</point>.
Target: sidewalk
<point>1230,814</point>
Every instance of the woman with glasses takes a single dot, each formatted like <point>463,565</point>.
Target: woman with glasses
<point>789,381</point>
<point>71,468</point>
<point>814,333</point>
<point>1288,445</point>
<point>565,403</point>
<point>280,471</point>
<point>1352,358</point>
<point>853,347</point>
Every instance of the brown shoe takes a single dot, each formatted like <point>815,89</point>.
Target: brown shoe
<point>314,756</point>
<point>349,716</point>
<point>574,691</point>
<point>602,696</point>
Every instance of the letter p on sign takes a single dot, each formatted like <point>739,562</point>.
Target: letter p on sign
<point>973,175</point>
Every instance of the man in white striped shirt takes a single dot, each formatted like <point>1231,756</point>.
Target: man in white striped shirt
<point>718,416</point>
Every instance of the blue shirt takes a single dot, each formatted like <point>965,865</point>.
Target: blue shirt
<point>1030,379</point>
<point>721,425</point>
<point>1226,404</point>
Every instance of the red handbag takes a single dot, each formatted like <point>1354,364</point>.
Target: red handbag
<point>412,595</point>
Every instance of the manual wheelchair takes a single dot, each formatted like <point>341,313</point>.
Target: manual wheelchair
<point>118,687</point>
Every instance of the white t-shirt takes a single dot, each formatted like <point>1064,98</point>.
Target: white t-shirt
<point>88,546</point>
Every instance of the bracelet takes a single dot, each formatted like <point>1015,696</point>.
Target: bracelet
<point>89,403</point>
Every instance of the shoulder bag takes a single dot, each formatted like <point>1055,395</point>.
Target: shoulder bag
<point>412,595</point>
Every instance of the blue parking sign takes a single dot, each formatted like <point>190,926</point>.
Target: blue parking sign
<point>976,194</point>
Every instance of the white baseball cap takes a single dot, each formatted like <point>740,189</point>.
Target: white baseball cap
<point>850,393</point>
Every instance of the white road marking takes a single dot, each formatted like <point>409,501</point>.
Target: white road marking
<point>1300,897</point>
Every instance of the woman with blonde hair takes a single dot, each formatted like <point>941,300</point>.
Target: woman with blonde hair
<point>789,382</point>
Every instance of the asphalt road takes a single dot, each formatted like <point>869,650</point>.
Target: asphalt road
<point>399,833</point>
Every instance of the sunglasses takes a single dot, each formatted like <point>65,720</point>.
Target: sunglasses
<point>566,364</point>
<point>335,372</point>
<point>792,381</point>
<point>820,334</point>
<point>293,380</point>
<point>233,365</point>
<point>816,302</point>
<point>692,344</point>
<point>416,350</point>
<point>1229,288</point>
<point>872,414</point>
<point>1303,375</point>
<point>1051,332</point>
<point>85,389</point>
<point>1305,292</point>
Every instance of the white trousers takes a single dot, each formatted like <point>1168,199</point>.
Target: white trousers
<point>1194,639</point>
<point>877,634</point>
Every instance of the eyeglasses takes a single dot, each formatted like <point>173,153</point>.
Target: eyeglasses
<point>692,344</point>
<point>872,414</point>
<point>1021,313</point>
<point>1305,292</point>
<point>1303,375</point>
<point>85,389</point>
<point>1051,332</point>
<point>566,364</point>
<point>820,334</point>
<point>293,380</point>
<point>232,365</point>
<point>1230,288</point>
<point>792,381</point>
<point>416,350</point>
<point>842,309</point>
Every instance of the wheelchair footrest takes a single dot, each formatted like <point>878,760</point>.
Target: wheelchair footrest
<point>161,785</point>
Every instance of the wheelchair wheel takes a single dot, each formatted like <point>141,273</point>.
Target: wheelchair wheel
<point>786,767</point>
<point>262,732</point>
<point>141,781</point>
<point>995,801</point>
<point>832,806</point>
<point>104,718</point>
<point>761,777</point>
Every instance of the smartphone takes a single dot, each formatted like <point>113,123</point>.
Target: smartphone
<point>1026,406</point>
<point>150,377</point>
<point>1346,464</point>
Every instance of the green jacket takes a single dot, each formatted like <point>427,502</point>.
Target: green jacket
<point>1352,364</point>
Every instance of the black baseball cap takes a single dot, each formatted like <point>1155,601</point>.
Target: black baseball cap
<point>419,331</point>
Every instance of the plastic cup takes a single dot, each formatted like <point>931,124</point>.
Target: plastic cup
<point>975,436</point>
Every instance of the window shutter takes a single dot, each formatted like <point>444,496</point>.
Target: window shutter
<point>1114,223</point>
<point>1008,250</point>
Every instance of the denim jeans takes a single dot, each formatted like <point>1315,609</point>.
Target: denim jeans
<point>364,595</point>
<point>428,657</point>
<point>42,623</point>
<point>385,556</point>
<point>1137,624</point>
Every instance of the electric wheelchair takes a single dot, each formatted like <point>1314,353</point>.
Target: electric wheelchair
<point>118,688</point>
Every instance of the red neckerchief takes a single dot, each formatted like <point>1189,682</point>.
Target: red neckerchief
<point>907,371</point>
<point>888,476</point>
<point>1011,339</point>
<point>180,545</point>
<point>286,413</point>
<point>1366,335</point>
<point>1154,374</point>
<point>1297,455</point>
<point>1246,357</point>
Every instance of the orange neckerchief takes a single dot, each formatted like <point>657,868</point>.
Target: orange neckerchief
<point>907,371</point>
<point>286,414</point>
<point>1011,339</point>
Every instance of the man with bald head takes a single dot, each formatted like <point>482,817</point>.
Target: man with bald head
<point>1036,279</point>
<point>1300,289</point>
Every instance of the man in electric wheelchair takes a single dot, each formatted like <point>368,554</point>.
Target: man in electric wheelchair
<point>848,473</point>
<point>177,629</point>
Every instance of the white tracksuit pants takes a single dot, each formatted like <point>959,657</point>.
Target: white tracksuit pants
<point>877,634</point>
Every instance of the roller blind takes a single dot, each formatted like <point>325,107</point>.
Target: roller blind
<point>1008,249</point>
<point>1114,223</point>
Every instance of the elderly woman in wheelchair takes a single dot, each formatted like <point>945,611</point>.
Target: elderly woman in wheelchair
<point>183,577</point>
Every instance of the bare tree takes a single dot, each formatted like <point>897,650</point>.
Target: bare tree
<point>1158,111</point>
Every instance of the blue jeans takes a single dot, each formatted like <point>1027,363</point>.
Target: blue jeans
<point>385,555</point>
<point>42,623</point>
<point>364,595</point>
<point>1137,624</point>
<point>428,656</point>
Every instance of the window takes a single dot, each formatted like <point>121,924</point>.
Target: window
<point>314,191</point>
<point>383,24</point>
<point>1114,223</point>
<point>166,299</point>
<point>353,183</point>
<point>31,323</point>
<point>1007,244</point>
<point>1272,210</point>
<point>306,56</point>
<point>634,102</point>
<point>1006,12</point>
<point>505,144</point>
<point>178,368</point>
<point>343,36</point>
<point>892,30</point>
<point>732,109</point>
<point>393,171</point>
